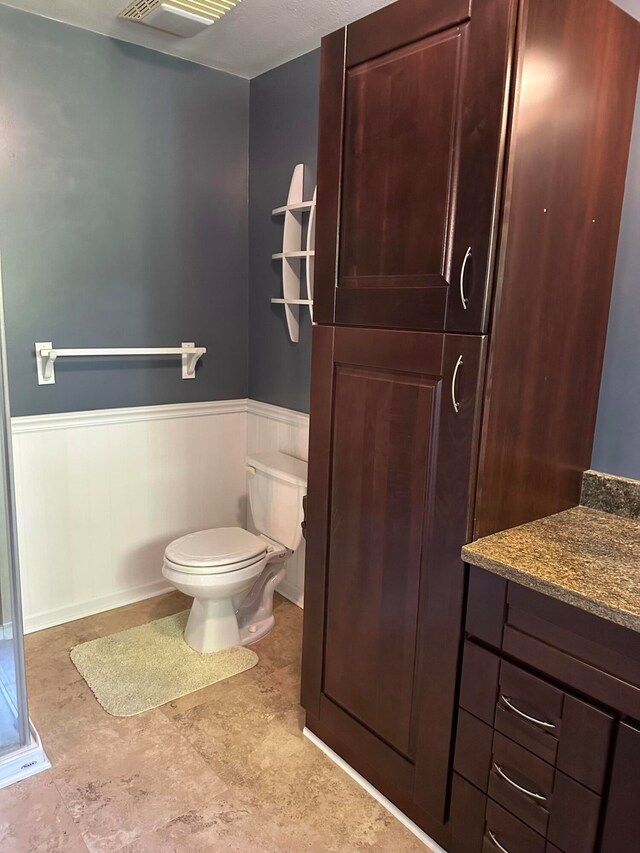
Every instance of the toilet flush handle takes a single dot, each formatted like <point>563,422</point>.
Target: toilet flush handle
<point>250,469</point>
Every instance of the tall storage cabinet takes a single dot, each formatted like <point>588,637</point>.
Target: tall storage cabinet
<point>470,180</point>
<point>417,102</point>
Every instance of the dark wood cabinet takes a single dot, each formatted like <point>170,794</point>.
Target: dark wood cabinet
<point>419,98</point>
<point>471,167</point>
<point>481,825</point>
<point>543,730</point>
<point>563,188</point>
<point>622,825</point>
<point>395,427</point>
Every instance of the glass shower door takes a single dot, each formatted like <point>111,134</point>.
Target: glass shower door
<point>21,753</point>
<point>14,718</point>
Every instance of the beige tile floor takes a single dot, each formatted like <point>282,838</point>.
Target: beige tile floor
<point>223,769</point>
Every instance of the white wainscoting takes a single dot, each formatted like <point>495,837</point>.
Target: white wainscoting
<point>274,428</point>
<point>100,494</point>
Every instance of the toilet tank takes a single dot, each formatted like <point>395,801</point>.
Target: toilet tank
<point>277,484</point>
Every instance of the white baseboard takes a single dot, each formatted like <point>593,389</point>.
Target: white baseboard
<point>40,621</point>
<point>422,836</point>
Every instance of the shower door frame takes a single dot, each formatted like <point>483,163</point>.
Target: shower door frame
<point>7,486</point>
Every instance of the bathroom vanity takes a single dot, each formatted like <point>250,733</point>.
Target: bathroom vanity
<point>471,171</point>
<point>547,754</point>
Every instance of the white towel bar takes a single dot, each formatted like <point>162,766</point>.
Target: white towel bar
<point>47,354</point>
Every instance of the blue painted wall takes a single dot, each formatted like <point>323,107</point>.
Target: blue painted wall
<point>284,132</point>
<point>123,221</point>
<point>123,216</point>
<point>617,442</point>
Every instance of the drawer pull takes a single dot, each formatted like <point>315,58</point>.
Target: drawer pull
<point>492,836</point>
<point>522,714</point>
<point>515,785</point>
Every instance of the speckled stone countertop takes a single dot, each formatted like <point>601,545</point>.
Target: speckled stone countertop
<point>618,495</point>
<point>584,557</point>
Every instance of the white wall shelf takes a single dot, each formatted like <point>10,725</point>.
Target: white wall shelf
<point>295,251</point>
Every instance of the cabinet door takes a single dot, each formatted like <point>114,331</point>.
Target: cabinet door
<point>393,430</point>
<point>413,105</point>
<point>622,821</point>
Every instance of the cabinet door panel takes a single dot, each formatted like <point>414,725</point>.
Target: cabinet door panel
<point>401,111</point>
<point>389,503</point>
<point>382,429</point>
<point>410,156</point>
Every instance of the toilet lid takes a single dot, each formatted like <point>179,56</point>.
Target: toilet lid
<point>222,546</point>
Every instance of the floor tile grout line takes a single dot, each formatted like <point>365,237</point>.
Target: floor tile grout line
<point>67,810</point>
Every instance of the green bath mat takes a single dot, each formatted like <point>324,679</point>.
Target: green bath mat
<point>148,666</point>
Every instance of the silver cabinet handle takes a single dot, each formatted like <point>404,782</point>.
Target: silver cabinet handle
<point>524,716</point>
<point>456,404</point>
<point>515,785</point>
<point>467,258</point>
<point>497,843</point>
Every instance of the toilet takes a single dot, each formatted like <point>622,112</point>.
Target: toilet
<point>232,573</point>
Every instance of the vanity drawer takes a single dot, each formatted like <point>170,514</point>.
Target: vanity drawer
<point>518,704</point>
<point>521,782</point>
<point>567,815</point>
<point>560,729</point>
<point>529,788</point>
<point>529,711</point>
<point>480,825</point>
<point>513,777</point>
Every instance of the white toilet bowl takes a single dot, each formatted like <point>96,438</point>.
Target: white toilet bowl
<point>232,573</point>
<point>218,568</point>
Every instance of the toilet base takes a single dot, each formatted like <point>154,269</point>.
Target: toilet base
<point>219,623</point>
<point>212,625</point>
<point>254,617</point>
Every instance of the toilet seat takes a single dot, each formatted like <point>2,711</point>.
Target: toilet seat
<point>215,551</point>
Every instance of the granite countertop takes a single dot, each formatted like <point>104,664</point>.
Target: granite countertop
<point>583,556</point>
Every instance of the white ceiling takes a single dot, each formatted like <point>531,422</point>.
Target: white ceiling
<point>630,6</point>
<point>256,36</point>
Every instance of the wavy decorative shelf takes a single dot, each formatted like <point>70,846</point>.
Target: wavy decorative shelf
<point>302,254</point>
<point>294,252</point>
<point>292,301</point>
<point>293,208</point>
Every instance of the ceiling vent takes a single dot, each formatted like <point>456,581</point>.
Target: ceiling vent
<point>180,17</point>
